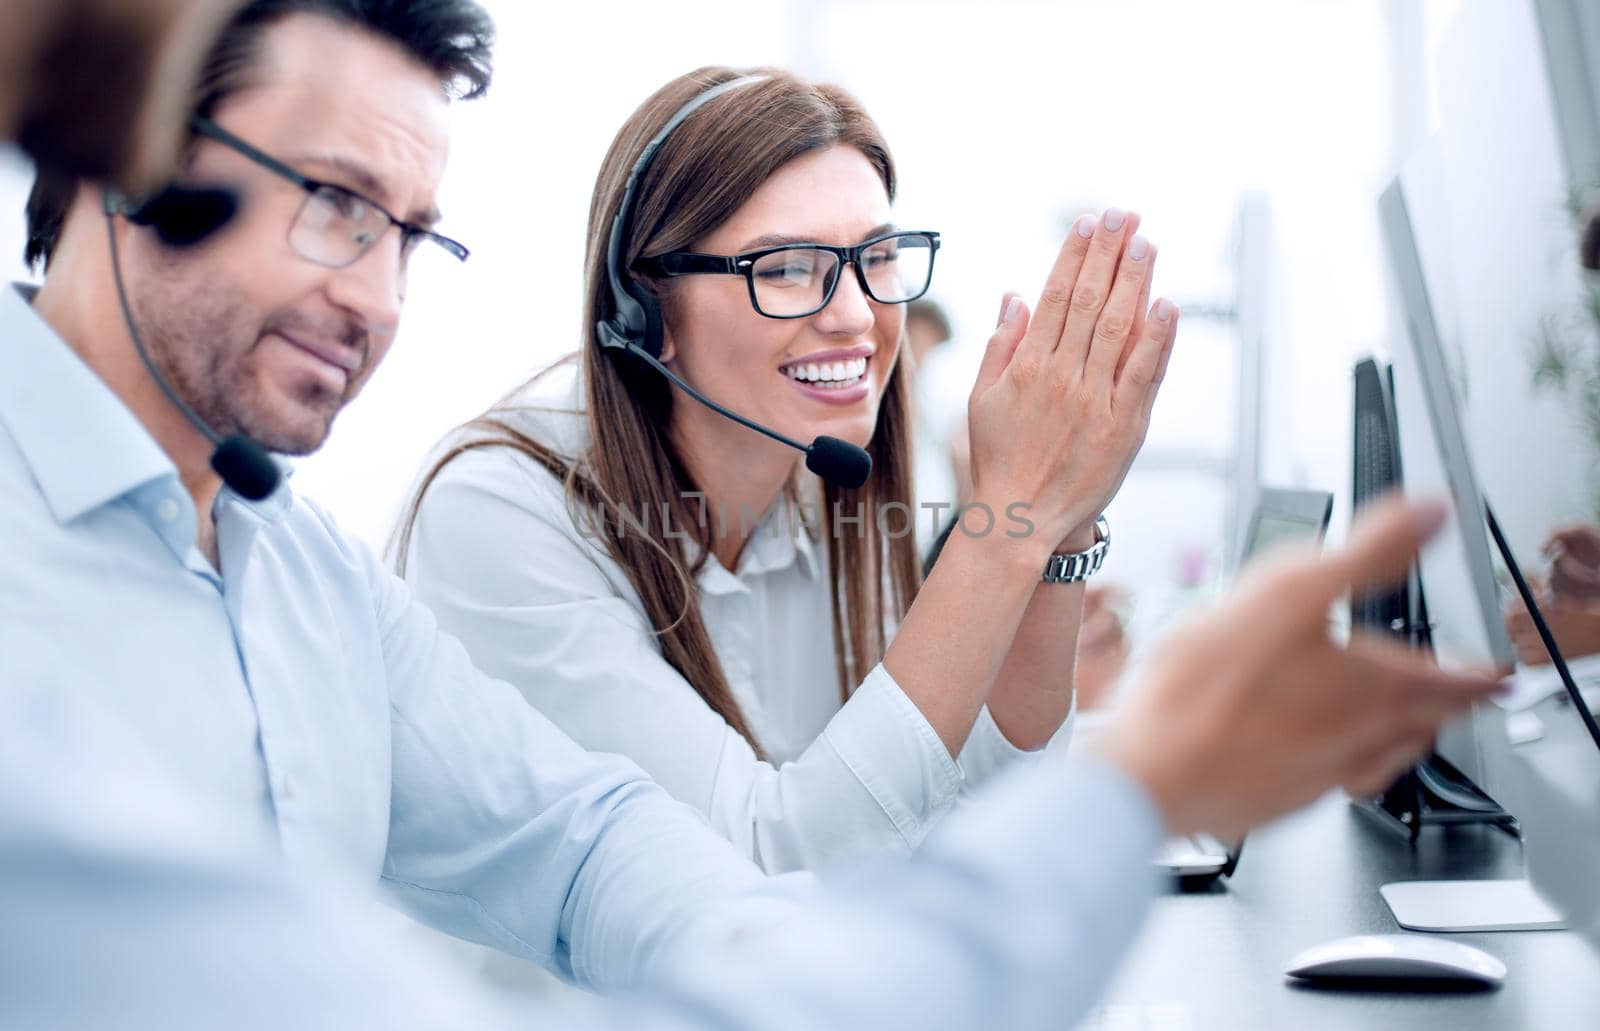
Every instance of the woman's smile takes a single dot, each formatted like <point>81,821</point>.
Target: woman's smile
<point>837,377</point>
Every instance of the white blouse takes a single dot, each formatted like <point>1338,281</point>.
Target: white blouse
<point>539,602</point>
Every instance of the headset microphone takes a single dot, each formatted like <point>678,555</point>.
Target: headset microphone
<point>182,217</point>
<point>635,328</point>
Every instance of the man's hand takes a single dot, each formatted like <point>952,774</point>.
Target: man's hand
<point>1253,710</point>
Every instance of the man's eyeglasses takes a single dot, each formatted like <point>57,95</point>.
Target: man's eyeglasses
<point>334,226</point>
<point>796,280</point>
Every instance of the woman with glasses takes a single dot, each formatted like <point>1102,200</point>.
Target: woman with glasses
<point>667,583</point>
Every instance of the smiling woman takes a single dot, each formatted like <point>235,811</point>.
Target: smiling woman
<point>664,583</point>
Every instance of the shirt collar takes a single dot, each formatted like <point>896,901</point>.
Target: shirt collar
<point>85,448</point>
<point>779,540</point>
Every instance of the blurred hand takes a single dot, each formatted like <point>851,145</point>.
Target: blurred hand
<point>1574,554</point>
<point>1063,400</point>
<point>1253,710</point>
<point>1102,646</point>
<point>1575,624</point>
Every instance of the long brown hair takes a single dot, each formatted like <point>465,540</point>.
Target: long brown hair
<point>703,173</point>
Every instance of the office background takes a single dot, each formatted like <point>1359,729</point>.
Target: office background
<point>1254,136</point>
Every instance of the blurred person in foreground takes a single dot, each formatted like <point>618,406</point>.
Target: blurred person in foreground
<point>101,88</point>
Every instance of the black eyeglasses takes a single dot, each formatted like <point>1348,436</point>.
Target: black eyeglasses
<point>796,280</point>
<point>334,226</point>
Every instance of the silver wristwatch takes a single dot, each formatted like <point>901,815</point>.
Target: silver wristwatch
<point>1078,566</point>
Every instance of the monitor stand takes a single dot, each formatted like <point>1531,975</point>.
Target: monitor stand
<point>1434,793</point>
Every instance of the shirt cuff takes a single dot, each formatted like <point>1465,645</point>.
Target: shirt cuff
<point>889,746</point>
<point>988,751</point>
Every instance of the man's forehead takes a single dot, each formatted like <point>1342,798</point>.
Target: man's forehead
<point>321,87</point>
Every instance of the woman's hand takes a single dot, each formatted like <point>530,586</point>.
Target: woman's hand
<point>1063,400</point>
<point>1253,710</point>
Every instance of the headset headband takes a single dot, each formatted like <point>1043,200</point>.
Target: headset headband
<point>628,325</point>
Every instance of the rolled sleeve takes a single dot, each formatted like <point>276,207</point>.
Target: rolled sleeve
<point>894,752</point>
<point>988,752</point>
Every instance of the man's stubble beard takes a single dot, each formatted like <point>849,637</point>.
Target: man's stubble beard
<point>204,345</point>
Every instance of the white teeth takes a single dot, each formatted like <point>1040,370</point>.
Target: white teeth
<point>840,373</point>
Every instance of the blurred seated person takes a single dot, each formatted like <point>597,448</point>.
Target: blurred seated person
<point>1569,599</point>
<point>1574,554</point>
<point>1103,646</point>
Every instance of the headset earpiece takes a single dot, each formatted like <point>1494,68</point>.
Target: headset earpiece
<point>182,216</point>
<point>653,337</point>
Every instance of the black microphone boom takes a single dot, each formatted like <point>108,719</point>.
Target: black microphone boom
<point>190,215</point>
<point>840,462</point>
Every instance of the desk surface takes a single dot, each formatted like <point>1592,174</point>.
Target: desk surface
<point>1215,960</point>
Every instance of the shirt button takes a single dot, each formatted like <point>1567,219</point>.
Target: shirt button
<point>286,788</point>
<point>167,510</point>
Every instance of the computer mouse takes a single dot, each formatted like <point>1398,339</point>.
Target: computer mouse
<point>1396,956</point>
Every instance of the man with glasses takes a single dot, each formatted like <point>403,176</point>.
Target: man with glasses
<point>267,663</point>
<point>220,718</point>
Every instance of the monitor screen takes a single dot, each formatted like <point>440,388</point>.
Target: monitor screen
<point>1270,531</point>
<point>1463,599</point>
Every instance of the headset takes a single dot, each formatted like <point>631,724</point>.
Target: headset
<point>635,328</point>
<point>183,216</point>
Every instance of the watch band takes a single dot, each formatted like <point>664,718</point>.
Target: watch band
<point>1075,567</point>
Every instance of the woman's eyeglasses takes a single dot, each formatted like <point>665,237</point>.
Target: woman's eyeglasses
<point>796,280</point>
<point>334,226</point>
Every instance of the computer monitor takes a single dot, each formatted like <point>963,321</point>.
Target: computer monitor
<point>1280,514</point>
<point>1406,418</point>
<point>1467,626</point>
<point>1435,791</point>
<point>1555,803</point>
<point>1283,514</point>
<point>1474,518</point>
<point>1376,470</point>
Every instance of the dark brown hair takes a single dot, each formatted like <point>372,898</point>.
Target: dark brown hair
<point>702,174</point>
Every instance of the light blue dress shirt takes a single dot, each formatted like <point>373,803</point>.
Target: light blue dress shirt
<point>203,773</point>
<point>310,699</point>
